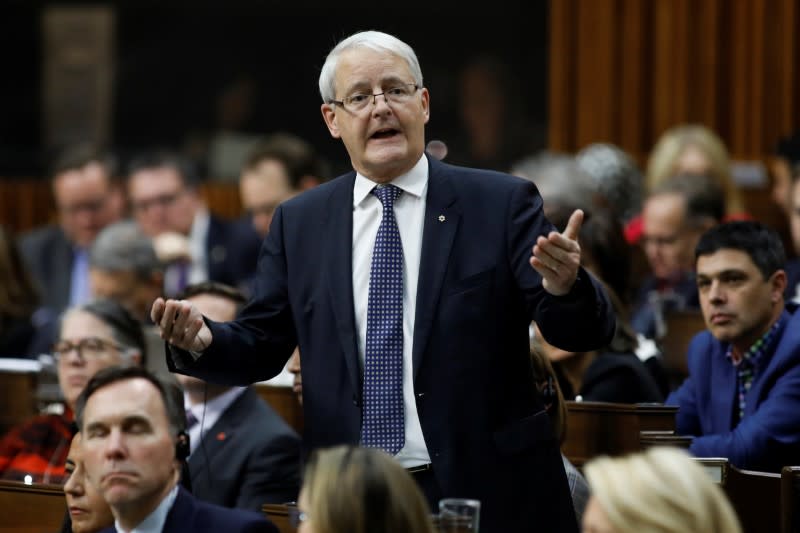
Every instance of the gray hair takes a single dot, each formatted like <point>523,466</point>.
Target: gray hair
<point>125,329</point>
<point>123,247</point>
<point>616,177</point>
<point>375,40</point>
<point>560,180</point>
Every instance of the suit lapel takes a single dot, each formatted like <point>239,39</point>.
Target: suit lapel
<point>722,400</point>
<point>180,515</point>
<point>339,244</point>
<point>218,436</point>
<point>442,218</point>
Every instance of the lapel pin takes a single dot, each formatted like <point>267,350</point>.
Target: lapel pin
<point>221,435</point>
<point>441,218</point>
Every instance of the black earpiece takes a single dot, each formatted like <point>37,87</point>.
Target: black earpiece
<point>548,391</point>
<point>182,448</point>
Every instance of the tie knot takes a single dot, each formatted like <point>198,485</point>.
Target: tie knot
<point>191,420</point>
<point>387,194</point>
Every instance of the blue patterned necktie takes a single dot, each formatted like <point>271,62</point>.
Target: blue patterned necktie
<point>382,425</point>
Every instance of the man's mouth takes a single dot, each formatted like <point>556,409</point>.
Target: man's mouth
<point>721,318</point>
<point>384,133</point>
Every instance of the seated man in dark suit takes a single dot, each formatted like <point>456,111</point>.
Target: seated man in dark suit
<point>167,205</point>
<point>133,443</point>
<point>57,256</point>
<point>280,167</point>
<point>243,453</point>
<point>742,395</point>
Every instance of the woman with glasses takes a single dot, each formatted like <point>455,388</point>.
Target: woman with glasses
<point>91,337</point>
<point>360,490</point>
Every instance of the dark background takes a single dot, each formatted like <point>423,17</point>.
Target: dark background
<point>173,59</point>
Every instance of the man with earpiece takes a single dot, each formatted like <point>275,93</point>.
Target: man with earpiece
<point>243,454</point>
<point>134,441</point>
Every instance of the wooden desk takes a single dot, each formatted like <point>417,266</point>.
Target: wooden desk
<point>600,428</point>
<point>682,326</point>
<point>285,403</point>
<point>278,514</point>
<point>18,398</point>
<point>31,508</point>
<point>756,496</point>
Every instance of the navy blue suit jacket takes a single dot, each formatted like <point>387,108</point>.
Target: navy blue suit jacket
<point>189,515</point>
<point>768,437</point>
<point>484,424</point>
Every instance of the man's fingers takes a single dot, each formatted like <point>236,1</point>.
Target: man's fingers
<point>157,311</point>
<point>574,225</point>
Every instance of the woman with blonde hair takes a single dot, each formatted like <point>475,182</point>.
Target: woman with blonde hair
<point>347,489</point>
<point>693,149</point>
<point>661,490</point>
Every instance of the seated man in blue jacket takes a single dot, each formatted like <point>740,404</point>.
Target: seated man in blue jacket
<point>742,395</point>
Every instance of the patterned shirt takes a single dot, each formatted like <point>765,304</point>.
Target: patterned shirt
<point>748,366</point>
<point>37,448</point>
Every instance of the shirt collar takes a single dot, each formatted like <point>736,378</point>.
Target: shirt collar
<point>154,523</point>
<point>218,404</point>
<point>765,344</point>
<point>412,182</point>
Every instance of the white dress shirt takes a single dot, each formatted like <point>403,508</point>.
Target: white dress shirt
<point>154,523</point>
<point>208,414</point>
<point>409,211</point>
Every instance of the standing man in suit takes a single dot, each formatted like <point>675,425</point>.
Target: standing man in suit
<point>87,200</point>
<point>243,454</point>
<point>167,205</point>
<point>133,444</point>
<point>417,343</point>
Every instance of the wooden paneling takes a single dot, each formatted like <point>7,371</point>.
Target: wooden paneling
<point>284,401</point>
<point>623,71</point>
<point>31,508</point>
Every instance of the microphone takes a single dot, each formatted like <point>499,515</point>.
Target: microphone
<point>437,149</point>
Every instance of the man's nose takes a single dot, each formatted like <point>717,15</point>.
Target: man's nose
<point>715,292</point>
<point>115,445</point>
<point>380,104</point>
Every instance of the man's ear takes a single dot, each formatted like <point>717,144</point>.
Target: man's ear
<point>426,104</point>
<point>778,281</point>
<point>329,115</point>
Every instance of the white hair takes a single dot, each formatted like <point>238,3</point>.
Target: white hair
<point>375,40</point>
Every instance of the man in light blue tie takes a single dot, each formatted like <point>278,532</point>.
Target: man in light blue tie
<point>87,200</point>
<point>445,337</point>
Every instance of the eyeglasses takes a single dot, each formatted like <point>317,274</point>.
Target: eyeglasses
<point>91,206</point>
<point>87,348</point>
<point>357,102</point>
<point>163,200</point>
